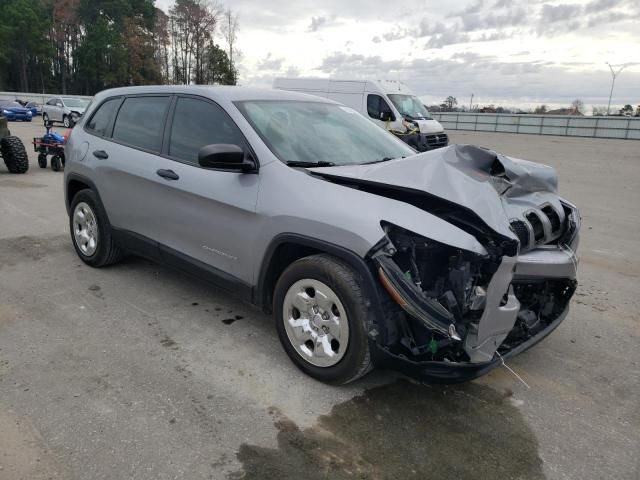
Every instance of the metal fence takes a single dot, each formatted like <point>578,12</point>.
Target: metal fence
<point>35,97</point>
<point>564,125</point>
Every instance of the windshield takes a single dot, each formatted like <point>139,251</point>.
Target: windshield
<point>313,132</point>
<point>10,105</point>
<point>76,102</point>
<point>410,106</point>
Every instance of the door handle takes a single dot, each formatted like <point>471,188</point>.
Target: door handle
<point>101,154</point>
<point>168,174</point>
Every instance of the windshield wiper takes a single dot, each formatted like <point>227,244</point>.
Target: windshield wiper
<point>296,163</point>
<point>385,159</point>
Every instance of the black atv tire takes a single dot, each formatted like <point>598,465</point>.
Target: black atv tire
<point>56,163</point>
<point>14,155</point>
<point>42,160</point>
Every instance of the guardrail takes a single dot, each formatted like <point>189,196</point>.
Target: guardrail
<point>35,97</point>
<point>563,125</point>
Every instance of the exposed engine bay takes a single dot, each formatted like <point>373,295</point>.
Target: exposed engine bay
<point>451,286</point>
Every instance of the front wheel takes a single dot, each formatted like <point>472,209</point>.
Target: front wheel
<point>90,231</point>
<point>320,312</point>
<point>67,121</point>
<point>45,118</point>
<point>42,160</point>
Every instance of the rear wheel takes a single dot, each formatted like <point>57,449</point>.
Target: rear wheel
<point>14,154</point>
<point>42,160</point>
<point>67,122</point>
<point>320,312</point>
<point>56,163</point>
<point>90,231</point>
<point>45,118</point>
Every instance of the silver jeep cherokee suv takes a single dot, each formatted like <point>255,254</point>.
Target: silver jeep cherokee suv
<point>439,264</point>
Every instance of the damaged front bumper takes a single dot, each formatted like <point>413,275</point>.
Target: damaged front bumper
<point>461,327</point>
<point>456,372</point>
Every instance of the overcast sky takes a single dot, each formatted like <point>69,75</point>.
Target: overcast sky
<point>515,53</point>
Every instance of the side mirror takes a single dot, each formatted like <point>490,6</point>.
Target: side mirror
<point>225,156</point>
<point>387,116</point>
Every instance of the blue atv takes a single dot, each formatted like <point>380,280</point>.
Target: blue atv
<point>51,143</point>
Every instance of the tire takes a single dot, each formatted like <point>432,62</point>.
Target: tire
<point>66,121</point>
<point>332,284</point>
<point>14,154</point>
<point>105,251</point>
<point>42,160</point>
<point>56,163</point>
<point>45,117</point>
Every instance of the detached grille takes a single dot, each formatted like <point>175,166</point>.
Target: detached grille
<point>521,231</point>
<point>437,141</point>
<point>538,227</point>
<point>553,217</point>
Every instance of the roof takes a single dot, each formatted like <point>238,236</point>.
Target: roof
<point>216,92</point>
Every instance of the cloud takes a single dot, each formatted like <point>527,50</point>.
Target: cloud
<point>448,38</point>
<point>271,63</point>
<point>559,13</point>
<point>599,5</point>
<point>358,65</point>
<point>316,23</point>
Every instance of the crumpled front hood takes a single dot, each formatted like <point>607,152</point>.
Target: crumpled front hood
<point>479,179</point>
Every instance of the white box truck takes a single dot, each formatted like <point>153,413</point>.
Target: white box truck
<point>387,103</point>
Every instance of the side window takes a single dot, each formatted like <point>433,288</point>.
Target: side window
<point>197,123</point>
<point>140,122</point>
<point>101,120</point>
<point>376,105</point>
<point>51,102</point>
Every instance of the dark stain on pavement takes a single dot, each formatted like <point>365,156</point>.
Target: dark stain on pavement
<point>168,342</point>
<point>403,431</point>
<point>27,248</point>
<point>229,321</point>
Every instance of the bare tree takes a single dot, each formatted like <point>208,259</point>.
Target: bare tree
<point>540,109</point>
<point>230,31</point>
<point>577,106</point>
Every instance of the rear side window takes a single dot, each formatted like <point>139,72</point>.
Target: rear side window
<point>197,123</point>
<point>376,105</point>
<point>51,102</point>
<point>140,122</point>
<point>101,120</point>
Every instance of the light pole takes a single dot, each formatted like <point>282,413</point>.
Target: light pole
<point>613,82</point>
<point>471,103</point>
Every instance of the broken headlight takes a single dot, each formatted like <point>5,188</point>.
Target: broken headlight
<point>442,287</point>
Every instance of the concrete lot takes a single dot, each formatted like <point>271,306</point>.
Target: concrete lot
<point>132,371</point>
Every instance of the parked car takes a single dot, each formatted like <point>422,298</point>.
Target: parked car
<point>35,108</point>
<point>67,110</point>
<point>440,264</point>
<point>390,104</point>
<point>13,111</point>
